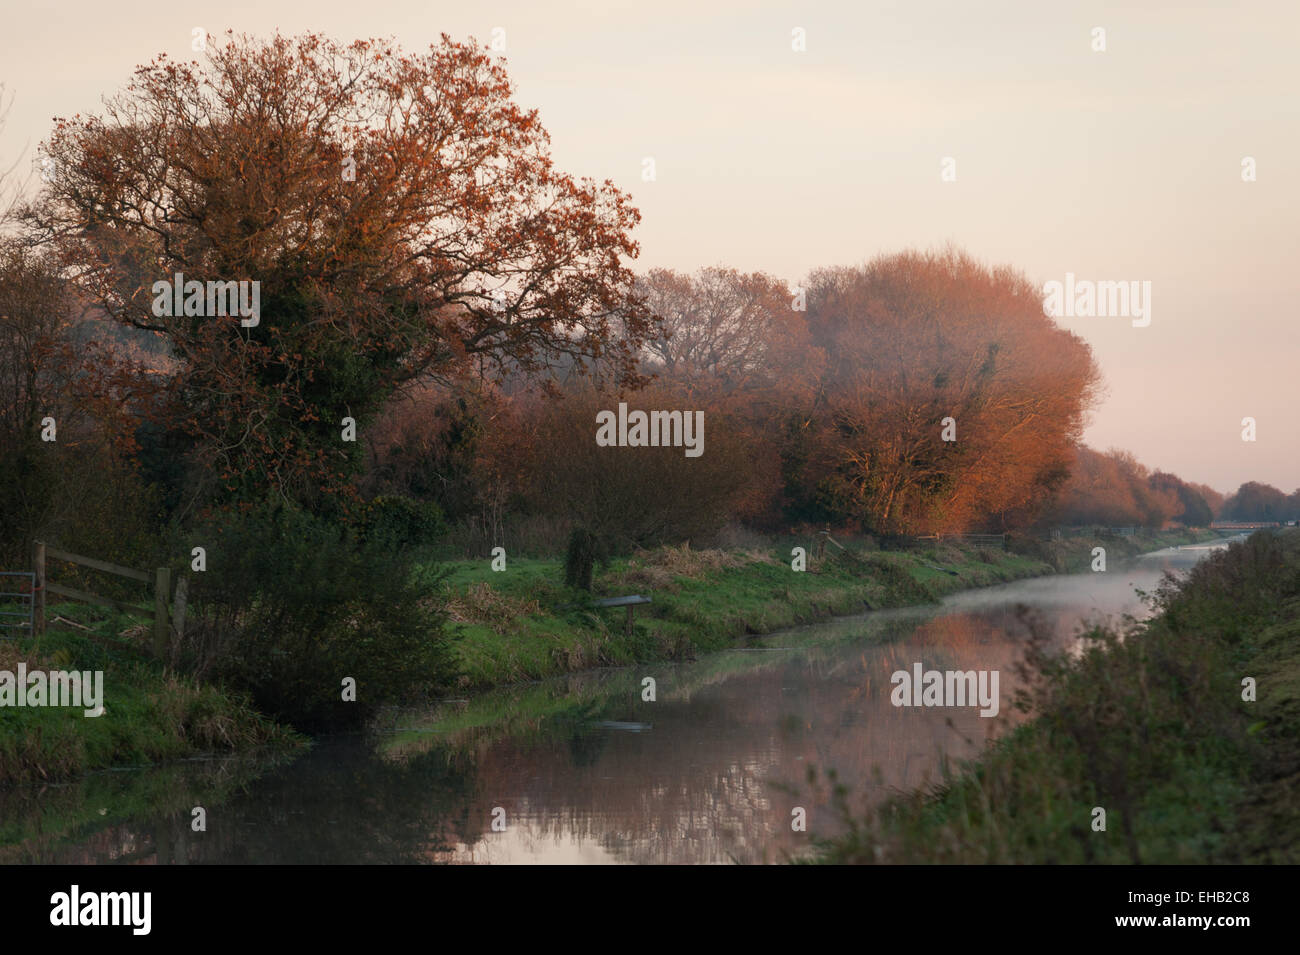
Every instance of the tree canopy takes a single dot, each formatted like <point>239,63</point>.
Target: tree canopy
<point>401,215</point>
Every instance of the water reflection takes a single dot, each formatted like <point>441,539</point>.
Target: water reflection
<point>585,771</point>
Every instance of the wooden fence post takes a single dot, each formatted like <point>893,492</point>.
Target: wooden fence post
<point>178,606</point>
<point>38,589</point>
<point>161,593</point>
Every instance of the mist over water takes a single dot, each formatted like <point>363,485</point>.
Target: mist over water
<point>709,772</point>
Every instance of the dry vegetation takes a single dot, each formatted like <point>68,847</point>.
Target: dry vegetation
<point>660,567</point>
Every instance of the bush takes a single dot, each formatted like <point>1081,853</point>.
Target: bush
<point>291,605</point>
<point>580,559</point>
<point>404,521</point>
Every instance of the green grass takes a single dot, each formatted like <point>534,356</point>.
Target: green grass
<point>1074,554</point>
<point>151,715</point>
<point>522,624</point>
<point>515,626</point>
<point>1148,724</point>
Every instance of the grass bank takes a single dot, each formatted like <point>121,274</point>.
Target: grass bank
<point>150,715</point>
<point>510,627</point>
<point>1154,725</point>
<point>522,624</point>
<point>1073,555</point>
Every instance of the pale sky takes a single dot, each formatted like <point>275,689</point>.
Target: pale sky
<point>1117,165</point>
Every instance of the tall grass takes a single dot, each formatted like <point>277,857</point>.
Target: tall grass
<point>1147,722</point>
<point>150,715</point>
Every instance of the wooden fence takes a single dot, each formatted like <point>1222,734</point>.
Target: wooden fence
<point>161,586</point>
<point>985,540</point>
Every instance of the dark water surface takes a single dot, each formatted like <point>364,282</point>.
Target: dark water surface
<point>587,771</point>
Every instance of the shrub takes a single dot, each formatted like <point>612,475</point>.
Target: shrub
<point>580,559</point>
<point>404,521</point>
<point>291,605</point>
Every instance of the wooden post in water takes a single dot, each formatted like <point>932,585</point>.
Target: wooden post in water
<point>164,841</point>
<point>38,588</point>
<point>161,591</point>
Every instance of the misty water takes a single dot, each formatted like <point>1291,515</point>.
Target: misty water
<point>583,768</point>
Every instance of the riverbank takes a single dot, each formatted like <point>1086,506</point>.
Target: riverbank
<point>150,715</point>
<point>511,627</point>
<point>522,624</point>
<point>1185,730</point>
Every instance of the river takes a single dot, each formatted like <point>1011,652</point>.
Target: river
<point>583,769</point>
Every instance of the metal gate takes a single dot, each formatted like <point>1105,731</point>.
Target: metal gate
<point>25,617</point>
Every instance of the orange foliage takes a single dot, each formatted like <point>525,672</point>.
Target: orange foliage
<point>454,241</point>
<point>915,339</point>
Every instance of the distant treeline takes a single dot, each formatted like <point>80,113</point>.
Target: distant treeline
<point>917,393</point>
<point>950,404</point>
<point>1115,489</point>
<point>1261,502</point>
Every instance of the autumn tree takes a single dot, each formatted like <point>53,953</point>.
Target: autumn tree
<point>1193,510</point>
<point>633,496</point>
<point>460,445</point>
<point>728,332</point>
<point>1256,501</point>
<point>68,405</point>
<point>401,215</point>
<point>1213,499</point>
<point>1115,489</point>
<point>735,344</point>
<point>10,188</point>
<point>1156,501</point>
<point>950,400</point>
<point>1095,493</point>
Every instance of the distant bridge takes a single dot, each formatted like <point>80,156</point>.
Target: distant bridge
<point>1242,525</point>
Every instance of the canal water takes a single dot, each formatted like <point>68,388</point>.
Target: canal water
<point>583,769</point>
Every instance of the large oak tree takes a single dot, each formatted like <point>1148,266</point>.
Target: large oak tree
<point>400,211</point>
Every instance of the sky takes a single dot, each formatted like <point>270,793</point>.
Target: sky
<point>1118,164</point>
